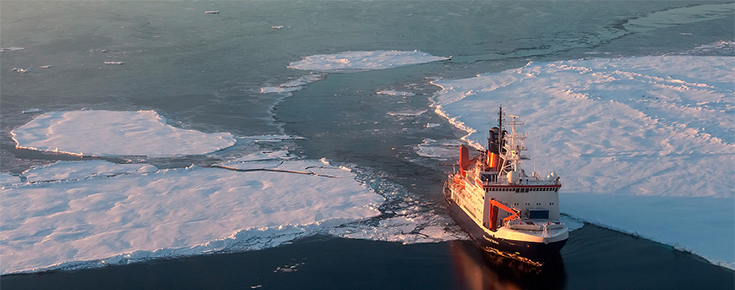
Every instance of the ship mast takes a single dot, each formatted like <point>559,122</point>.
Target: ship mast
<point>512,146</point>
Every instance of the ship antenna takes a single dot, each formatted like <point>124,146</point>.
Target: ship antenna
<point>534,155</point>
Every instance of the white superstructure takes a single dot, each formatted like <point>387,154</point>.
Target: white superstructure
<point>502,207</point>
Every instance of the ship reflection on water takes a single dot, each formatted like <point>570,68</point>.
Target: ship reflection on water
<point>476,269</point>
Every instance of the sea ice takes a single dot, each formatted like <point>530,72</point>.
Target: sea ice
<point>396,93</point>
<point>8,178</point>
<point>89,222</point>
<point>363,60</point>
<point>403,229</point>
<point>77,170</point>
<point>657,126</point>
<point>407,113</point>
<point>445,149</point>
<point>12,48</point>
<point>293,85</point>
<point>32,111</point>
<point>113,133</point>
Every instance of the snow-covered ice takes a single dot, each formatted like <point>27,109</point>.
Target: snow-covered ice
<point>622,131</point>
<point>77,170</point>
<point>8,178</point>
<point>363,60</point>
<point>115,133</point>
<point>117,219</point>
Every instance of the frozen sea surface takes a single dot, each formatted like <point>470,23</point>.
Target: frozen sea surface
<point>232,72</point>
<point>355,61</point>
<point>88,222</point>
<point>614,129</point>
<point>115,133</point>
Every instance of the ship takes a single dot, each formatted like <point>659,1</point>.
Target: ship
<point>502,209</point>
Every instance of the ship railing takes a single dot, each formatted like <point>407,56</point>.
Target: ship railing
<point>528,225</point>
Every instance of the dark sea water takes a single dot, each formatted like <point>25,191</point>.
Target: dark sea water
<point>205,72</point>
<point>594,258</point>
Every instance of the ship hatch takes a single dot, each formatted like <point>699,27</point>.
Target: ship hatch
<point>538,214</point>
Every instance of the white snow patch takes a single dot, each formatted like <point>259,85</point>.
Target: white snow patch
<point>363,60</point>
<point>396,93</point>
<point>114,133</point>
<point>126,218</point>
<point>633,129</point>
<point>77,170</point>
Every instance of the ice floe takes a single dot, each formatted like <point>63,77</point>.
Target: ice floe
<point>441,149</point>
<point>407,113</point>
<point>617,129</point>
<point>293,85</point>
<point>396,93</point>
<point>12,48</point>
<point>32,111</point>
<point>402,229</point>
<point>115,133</point>
<point>121,218</point>
<point>363,60</point>
<point>716,48</point>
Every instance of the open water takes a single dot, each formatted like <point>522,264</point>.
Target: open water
<point>205,71</point>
